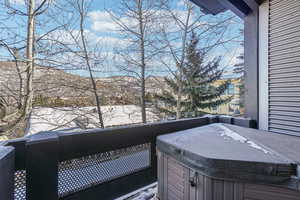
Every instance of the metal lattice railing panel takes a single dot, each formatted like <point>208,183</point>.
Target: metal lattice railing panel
<point>20,185</point>
<point>78,174</point>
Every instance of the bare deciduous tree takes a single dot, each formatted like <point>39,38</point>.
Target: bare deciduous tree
<point>12,120</point>
<point>177,25</point>
<point>136,24</point>
<point>82,8</point>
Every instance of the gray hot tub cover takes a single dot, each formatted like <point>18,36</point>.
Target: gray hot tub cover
<point>230,152</point>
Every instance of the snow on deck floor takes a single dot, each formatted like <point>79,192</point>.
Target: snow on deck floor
<point>146,193</point>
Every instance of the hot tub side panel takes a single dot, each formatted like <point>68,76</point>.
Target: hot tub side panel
<point>264,192</point>
<point>173,179</point>
<point>175,183</point>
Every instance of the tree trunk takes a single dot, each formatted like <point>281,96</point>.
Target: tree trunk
<point>30,59</point>
<point>179,95</point>
<point>20,116</point>
<point>86,57</point>
<point>143,63</point>
<point>143,91</point>
<point>181,64</point>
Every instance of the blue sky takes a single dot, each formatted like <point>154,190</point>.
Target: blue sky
<point>98,28</point>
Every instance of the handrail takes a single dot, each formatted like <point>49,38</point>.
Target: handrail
<point>41,154</point>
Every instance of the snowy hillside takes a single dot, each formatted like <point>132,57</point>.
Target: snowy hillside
<point>48,119</point>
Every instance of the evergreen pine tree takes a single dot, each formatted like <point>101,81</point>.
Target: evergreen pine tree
<point>199,91</point>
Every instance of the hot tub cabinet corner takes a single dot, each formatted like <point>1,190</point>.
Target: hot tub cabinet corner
<point>179,182</point>
<point>191,165</point>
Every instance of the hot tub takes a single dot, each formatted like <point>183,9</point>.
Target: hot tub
<point>227,162</point>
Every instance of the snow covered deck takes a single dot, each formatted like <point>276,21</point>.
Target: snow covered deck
<point>146,193</point>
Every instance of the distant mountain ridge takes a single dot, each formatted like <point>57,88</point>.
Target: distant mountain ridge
<point>53,82</point>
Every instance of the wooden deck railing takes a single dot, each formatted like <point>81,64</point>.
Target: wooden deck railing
<point>95,164</point>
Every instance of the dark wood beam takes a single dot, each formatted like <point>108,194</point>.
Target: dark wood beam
<point>251,23</point>
<point>210,6</point>
<point>260,1</point>
<point>239,7</point>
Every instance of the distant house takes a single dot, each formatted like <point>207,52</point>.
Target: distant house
<point>233,107</point>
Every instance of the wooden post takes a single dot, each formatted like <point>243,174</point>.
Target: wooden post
<point>7,169</point>
<point>42,168</point>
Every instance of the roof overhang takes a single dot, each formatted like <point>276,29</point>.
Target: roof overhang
<point>239,7</point>
<point>210,6</point>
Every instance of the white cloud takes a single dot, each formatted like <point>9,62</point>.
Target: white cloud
<point>112,41</point>
<point>103,26</point>
<point>102,22</point>
<point>22,2</point>
<point>105,22</point>
<point>19,2</point>
<point>72,37</point>
<point>100,15</point>
<point>181,3</point>
<point>233,57</point>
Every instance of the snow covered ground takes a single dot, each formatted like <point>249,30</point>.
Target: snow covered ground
<point>3,138</point>
<point>49,119</point>
<point>73,179</point>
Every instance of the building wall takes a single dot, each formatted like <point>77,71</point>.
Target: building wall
<point>282,91</point>
<point>233,106</point>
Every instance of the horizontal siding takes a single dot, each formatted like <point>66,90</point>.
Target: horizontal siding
<point>283,85</point>
<point>280,43</point>
<point>280,71</point>
<point>289,113</point>
<point>284,68</point>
